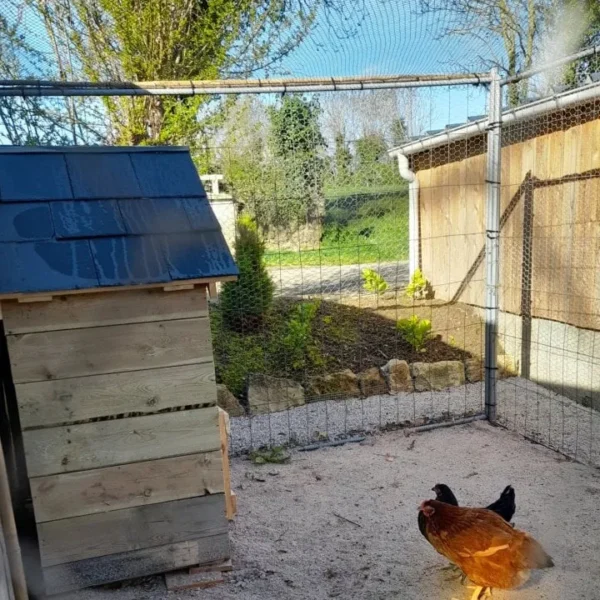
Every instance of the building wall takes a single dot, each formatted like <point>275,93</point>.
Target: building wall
<point>549,243</point>
<point>117,403</point>
<point>225,212</point>
<point>550,218</point>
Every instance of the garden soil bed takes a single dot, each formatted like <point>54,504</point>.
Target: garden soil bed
<point>369,338</point>
<point>355,333</point>
<point>459,325</point>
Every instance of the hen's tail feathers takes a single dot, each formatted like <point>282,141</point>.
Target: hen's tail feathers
<point>535,556</point>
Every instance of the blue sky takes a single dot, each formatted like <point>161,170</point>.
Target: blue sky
<point>380,37</point>
<point>394,39</point>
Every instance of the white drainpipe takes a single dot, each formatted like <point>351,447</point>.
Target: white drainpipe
<point>413,210</point>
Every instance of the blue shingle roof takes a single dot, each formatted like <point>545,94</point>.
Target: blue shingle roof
<point>79,218</point>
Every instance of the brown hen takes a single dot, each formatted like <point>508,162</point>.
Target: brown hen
<point>490,552</point>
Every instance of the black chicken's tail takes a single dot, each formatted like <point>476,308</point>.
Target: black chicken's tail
<point>505,505</point>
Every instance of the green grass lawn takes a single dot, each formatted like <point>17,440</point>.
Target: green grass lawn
<point>358,228</point>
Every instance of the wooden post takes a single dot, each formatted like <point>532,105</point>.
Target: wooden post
<point>10,552</point>
<point>230,509</point>
<point>6,587</point>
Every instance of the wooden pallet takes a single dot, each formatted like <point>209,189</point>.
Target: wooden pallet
<point>195,578</point>
<point>222,567</point>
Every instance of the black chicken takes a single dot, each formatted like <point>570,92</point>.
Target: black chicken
<point>504,506</point>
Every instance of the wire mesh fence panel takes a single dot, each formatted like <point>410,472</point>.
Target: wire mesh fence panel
<point>327,332</point>
<point>358,218</point>
<point>549,340</point>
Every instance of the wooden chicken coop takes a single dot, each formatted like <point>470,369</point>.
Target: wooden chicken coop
<point>107,255</point>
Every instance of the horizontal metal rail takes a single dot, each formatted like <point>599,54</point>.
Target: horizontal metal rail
<point>551,65</point>
<point>28,88</point>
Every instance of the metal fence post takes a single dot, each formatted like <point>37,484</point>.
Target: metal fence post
<point>492,243</point>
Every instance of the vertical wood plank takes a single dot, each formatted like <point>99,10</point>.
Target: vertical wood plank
<point>229,508</point>
<point>6,587</point>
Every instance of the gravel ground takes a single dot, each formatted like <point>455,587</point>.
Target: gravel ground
<point>335,418</point>
<point>341,522</point>
<point>550,419</point>
<point>523,406</point>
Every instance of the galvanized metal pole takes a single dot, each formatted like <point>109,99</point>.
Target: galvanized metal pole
<point>27,88</point>
<point>492,245</point>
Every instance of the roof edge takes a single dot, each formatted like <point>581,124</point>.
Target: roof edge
<point>533,109</point>
<point>174,284</point>
<point>89,149</point>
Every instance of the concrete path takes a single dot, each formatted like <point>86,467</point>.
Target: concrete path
<point>327,280</point>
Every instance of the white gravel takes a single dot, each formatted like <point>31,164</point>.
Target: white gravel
<point>335,280</point>
<point>335,418</point>
<point>523,406</point>
<point>288,542</point>
<point>550,419</point>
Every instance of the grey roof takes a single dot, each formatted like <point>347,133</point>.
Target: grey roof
<point>476,125</point>
<point>79,218</point>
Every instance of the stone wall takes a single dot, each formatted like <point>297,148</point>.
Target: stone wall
<point>266,394</point>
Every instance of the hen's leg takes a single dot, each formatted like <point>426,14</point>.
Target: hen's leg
<point>458,574</point>
<point>477,593</point>
<point>481,593</point>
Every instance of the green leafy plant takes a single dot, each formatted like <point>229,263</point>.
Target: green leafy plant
<point>418,286</point>
<point>276,455</point>
<point>246,302</point>
<point>415,331</point>
<point>298,341</point>
<point>374,282</point>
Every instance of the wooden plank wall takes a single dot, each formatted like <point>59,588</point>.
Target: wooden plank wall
<point>551,218</point>
<point>117,400</point>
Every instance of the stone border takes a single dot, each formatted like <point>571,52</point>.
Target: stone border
<point>267,394</point>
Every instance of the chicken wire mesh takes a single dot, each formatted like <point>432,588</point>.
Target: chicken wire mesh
<point>549,291</point>
<point>325,215</point>
<point>327,333</point>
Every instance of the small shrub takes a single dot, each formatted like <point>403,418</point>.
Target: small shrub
<point>374,282</point>
<point>418,286</point>
<point>298,342</point>
<point>244,354</point>
<point>415,331</point>
<point>247,301</point>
